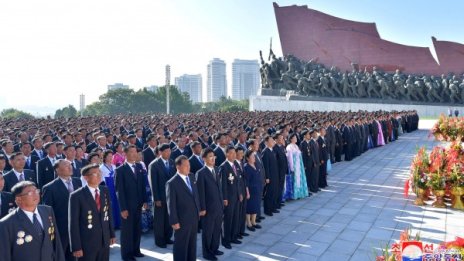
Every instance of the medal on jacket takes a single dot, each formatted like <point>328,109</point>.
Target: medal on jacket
<point>20,239</point>
<point>231,178</point>
<point>89,219</point>
<point>51,229</point>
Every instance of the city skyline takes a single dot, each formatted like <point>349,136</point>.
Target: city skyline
<point>131,42</point>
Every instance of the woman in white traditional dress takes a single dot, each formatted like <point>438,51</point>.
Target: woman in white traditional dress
<point>295,187</point>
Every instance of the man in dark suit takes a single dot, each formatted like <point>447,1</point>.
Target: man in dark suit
<point>37,153</point>
<point>184,210</point>
<point>6,200</point>
<point>231,198</point>
<point>159,172</point>
<point>139,139</point>
<point>56,195</point>
<point>91,229</point>
<point>18,173</point>
<point>306,155</point>
<point>149,153</point>
<point>324,157</point>
<point>132,196</point>
<point>272,177</point>
<point>196,161</point>
<point>180,149</point>
<point>219,150</point>
<point>282,162</point>
<point>211,205</point>
<point>8,150</point>
<point>29,233</point>
<point>315,162</point>
<point>76,166</point>
<point>26,148</point>
<point>45,172</point>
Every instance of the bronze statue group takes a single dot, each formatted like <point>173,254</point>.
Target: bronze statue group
<point>310,78</point>
<point>67,184</point>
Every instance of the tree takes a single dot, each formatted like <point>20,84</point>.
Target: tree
<point>14,114</point>
<point>66,112</point>
<point>123,101</point>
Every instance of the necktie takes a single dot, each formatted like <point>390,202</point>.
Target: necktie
<point>69,185</point>
<point>40,154</point>
<point>37,225</point>
<point>235,169</point>
<point>21,177</point>
<point>201,161</point>
<point>97,199</point>
<point>214,173</point>
<point>133,169</point>
<point>166,164</point>
<point>188,183</point>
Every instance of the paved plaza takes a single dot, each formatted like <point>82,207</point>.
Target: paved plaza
<point>362,209</point>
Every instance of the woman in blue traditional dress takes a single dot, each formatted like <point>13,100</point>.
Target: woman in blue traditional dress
<point>296,187</point>
<point>108,170</point>
<point>147,214</point>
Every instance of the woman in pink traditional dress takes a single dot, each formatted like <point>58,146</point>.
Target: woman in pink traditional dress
<point>118,157</point>
<point>380,139</point>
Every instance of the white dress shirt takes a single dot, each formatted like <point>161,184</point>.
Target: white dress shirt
<point>30,215</point>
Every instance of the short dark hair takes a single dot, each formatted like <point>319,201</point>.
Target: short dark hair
<point>17,189</point>
<point>105,154</point>
<point>16,154</point>
<point>229,148</point>
<point>91,155</point>
<point>163,147</point>
<point>85,170</point>
<point>238,148</point>
<point>68,147</point>
<point>24,144</point>
<point>150,137</point>
<point>181,159</point>
<point>194,144</point>
<point>248,153</point>
<point>128,147</point>
<point>2,157</point>
<point>206,151</point>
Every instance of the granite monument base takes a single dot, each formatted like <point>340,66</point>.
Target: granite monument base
<point>307,103</point>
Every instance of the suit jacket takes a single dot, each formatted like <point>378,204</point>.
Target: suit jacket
<point>315,153</point>
<point>209,190</point>
<point>306,154</point>
<point>220,156</point>
<point>77,166</point>
<point>35,157</point>
<point>82,206</point>
<point>183,204</point>
<point>91,146</point>
<point>130,187</point>
<point>139,143</point>
<point>323,149</point>
<point>148,156</point>
<point>14,246</point>
<point>7,202</point>
<point>30,163</point>
<point>230,182</point>
<point>55,194</point>
<point>158,176</point>
<point>11,179</point>
<point>45,172</point>
<point>176,153</point>
<point>195,164</point>
<point>282,161</point>
<point>270,165</point>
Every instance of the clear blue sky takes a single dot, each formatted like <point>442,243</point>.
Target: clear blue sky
<point>65,48</point>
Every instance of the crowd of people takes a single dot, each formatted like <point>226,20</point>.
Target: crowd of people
<point>219,174</point>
